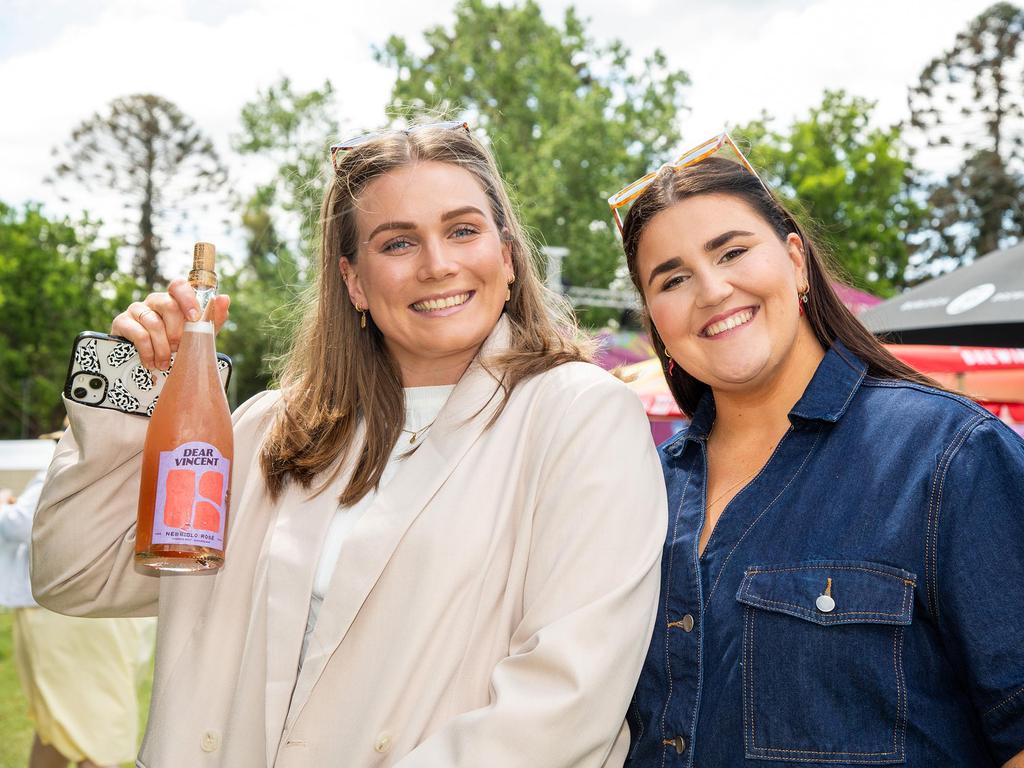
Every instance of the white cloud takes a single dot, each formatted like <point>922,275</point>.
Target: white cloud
<point>211,56</point>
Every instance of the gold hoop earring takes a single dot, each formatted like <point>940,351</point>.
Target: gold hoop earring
<point>362,314</point>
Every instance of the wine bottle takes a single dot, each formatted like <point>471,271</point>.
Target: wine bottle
<point>186,462</point>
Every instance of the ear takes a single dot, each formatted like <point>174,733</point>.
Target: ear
<point>506,255</point>
<point>350,275</point>
<point>798,257</point>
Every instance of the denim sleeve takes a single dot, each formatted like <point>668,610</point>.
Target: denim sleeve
<point>976,554</point>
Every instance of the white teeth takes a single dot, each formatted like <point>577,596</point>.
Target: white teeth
<point>729,323</point>
<point>432,305</point>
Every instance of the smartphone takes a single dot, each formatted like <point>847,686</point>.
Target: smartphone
<point>106,372</point>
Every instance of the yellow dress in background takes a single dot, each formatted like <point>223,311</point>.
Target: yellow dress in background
<point>79,676</point>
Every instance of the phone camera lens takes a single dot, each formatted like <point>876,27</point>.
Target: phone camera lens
<point>80,392</point>
<point>96,383</point>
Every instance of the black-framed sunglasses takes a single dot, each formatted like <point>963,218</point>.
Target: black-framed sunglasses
<point>355,141</point>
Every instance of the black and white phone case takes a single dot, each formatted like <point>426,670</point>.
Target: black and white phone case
<point>105,372</point>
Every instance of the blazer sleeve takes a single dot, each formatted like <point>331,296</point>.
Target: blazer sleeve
<point>83,535</point>
<point>560,697</point>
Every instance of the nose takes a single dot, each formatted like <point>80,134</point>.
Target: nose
<point>712,289</point>
<point>436,262</point>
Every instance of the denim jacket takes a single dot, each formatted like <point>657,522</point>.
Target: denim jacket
<point>860,601</point>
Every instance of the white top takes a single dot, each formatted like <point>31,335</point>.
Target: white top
<point>422,405</point>
<point>15,540</point>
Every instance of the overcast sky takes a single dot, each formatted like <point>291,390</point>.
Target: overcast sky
<point>62,60</point>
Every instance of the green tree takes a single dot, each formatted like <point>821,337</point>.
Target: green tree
<point>971,99</point>
<point>263,290</point>
<point>292,131</point>
<point>571,121</point>
<point>56,280</point>
<point>289,131</point>
<point>152,156</point>
<point>853,183</point>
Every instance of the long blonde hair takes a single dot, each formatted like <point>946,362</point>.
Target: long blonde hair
<point>337,373</point>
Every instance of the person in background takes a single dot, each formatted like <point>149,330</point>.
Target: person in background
<point>78,675</point>
<point>842,579</point>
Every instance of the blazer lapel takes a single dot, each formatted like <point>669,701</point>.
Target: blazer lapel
<point>373,539</point>
<point>299,531</point>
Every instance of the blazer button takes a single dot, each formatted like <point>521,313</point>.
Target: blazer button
<point>383,742</point>
<point>210,741</point>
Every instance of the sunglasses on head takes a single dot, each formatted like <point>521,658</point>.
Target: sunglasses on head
<point>691,157</point>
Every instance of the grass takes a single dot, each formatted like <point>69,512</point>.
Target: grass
<point>15,727</point>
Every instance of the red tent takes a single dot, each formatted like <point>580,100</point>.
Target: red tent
<point>994,377</point>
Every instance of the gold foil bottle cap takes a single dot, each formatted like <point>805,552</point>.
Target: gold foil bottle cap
<point>202,274</point>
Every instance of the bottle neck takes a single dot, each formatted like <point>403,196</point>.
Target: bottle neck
<point>205,293</point>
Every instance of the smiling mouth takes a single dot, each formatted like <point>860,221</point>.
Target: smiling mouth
<point>733,321</point>
<point>433,305</point>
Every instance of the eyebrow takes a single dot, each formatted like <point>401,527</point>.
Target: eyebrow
<point>724,238</point>
<point>461,212</point>
<point>666,266</point>
<point>390,225</point>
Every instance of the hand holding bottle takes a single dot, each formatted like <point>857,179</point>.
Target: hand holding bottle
<point>185,485</point>
<point>155,325</point>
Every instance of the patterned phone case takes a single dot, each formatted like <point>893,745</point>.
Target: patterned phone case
<point>105,372</point>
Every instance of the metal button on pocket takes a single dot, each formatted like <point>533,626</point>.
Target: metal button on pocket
<point>685,623</point>
<point>678,742</point>
<point>383,743</point>
<point>210,741</point>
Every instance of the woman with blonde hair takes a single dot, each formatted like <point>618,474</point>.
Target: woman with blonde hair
<point>437,556</point>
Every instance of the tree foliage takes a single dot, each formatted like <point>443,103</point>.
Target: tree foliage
<point>971,99</point>
<point>291,130</point>
<point>56,280</point>
<point>287,132</point>
<point>152,156</point>
<point>570,120</point>
<point>853,181</point>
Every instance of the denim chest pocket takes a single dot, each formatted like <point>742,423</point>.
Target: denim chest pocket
<point>822,662</point>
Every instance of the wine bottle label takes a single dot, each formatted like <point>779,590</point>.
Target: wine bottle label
<point>191,496</point>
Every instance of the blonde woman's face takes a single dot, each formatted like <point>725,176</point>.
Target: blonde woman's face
<point>722,289</point>
<point>432,268</point>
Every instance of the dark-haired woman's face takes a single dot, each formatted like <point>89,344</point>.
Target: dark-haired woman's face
<point>722,290</point>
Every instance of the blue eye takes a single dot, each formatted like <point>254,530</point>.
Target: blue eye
<point>396,245</point>
<point>464,230</point>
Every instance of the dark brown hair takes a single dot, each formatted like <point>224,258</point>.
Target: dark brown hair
<point>337,374</point>
<point>828,316</point>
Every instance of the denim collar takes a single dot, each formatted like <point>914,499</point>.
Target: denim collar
<point>826,398</point>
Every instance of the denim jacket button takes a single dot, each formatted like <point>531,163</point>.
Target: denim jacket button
<point>825,603</point>
<point>685,623</point>
<point>678,742</point>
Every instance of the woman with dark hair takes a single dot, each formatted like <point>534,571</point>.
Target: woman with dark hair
<point>436,557</point>
<point>841,582</point>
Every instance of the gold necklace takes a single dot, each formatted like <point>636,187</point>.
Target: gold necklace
<point>418,432</point>
<point>723,493</point>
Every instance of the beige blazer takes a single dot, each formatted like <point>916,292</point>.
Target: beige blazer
<point>492,608</point>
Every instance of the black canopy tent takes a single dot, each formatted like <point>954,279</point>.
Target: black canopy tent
<point>981,304</point>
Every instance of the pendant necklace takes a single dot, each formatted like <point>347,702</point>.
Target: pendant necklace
<point>416,434</point>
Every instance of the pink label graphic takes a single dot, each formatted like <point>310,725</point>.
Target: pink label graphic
<point>191,491</point>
